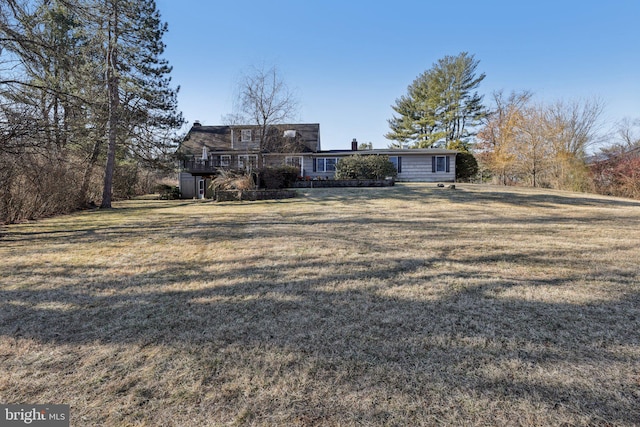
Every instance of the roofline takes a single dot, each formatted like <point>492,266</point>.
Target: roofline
<point>251,125</point>
<point>391,151</point>
<point>398,152</point>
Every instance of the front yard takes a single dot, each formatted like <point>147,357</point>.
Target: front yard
<point>405,305</point>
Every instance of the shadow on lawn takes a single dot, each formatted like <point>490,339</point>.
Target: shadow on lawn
<point>464,338</point>
<point>453,339</point>
<point>466,193</point>
<point>478,195</point>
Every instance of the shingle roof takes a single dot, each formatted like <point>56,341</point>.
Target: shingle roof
<point>215,138</point>
<point>218,138</point>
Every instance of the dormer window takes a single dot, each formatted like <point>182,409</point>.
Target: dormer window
<point>245,135</point>
<point>289,133</point>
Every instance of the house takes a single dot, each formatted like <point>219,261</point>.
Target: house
<point>207,149</point>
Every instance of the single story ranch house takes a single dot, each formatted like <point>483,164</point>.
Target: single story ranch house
<point>207,149</point>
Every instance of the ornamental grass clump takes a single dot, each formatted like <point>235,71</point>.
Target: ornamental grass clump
<point>235,181</point>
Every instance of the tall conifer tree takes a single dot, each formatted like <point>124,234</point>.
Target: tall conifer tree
<point>441,105</point>
<point>142,105</point>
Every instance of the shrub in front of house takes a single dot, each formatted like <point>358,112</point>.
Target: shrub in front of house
<point>274,178</point>
<point>168,192</point>
<point>466,166</point>
<point>365,167</point>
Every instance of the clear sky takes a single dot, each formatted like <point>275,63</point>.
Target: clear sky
<point>348,60</point>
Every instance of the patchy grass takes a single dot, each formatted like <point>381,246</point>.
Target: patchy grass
<point>408,305</point>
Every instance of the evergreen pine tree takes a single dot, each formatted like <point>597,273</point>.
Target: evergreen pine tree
<point>441,104</point>
<point>142,105</point>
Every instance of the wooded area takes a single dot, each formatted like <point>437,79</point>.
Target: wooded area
<point>616,169</point>
<point>87,109</point>
<point>540,145</point>
<point>515,140</point>
<point>560,145</point>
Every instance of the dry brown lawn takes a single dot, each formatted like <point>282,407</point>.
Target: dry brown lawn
<point>410,305</point>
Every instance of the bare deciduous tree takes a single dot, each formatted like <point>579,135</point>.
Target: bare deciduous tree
<point>534,153</point>
<point>573,127</point>
<point>265,100</point>
<point>540,145</point>
<point>497,139</point>
<point>628,132</point>
<point>616,170</point>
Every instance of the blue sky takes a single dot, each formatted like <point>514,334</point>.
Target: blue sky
<point>348,61</point>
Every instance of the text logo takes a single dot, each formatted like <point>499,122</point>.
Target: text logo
<point>34,415</point>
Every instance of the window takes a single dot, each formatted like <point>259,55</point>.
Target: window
<point>397,162</point>
<point>225,160</point>
<point>440,164</point>
<point>326,164</point>
<point>247,161</point>
<point>245,135</point>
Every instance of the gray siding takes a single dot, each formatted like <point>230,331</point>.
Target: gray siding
<point>415,168</point>
<point>187,184</point>
<point>419,168</point>
<point>308,168</point>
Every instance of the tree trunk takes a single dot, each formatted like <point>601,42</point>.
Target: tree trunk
<point>114,106</point>
<point>86,177</point>
<point>111,149</point>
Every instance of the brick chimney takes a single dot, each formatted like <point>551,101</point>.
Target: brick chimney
<point>354,145</point>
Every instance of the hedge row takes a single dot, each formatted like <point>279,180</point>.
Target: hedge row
<point>233,195</point>
<point>345,183</point>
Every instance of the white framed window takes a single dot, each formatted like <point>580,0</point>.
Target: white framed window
<point>247,161</point>
<point>326,164</point>
<point>245,135</point>
<point>225,160</point>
